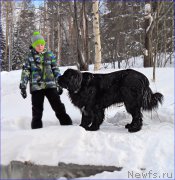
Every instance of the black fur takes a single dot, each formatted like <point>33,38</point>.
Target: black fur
<point>92,93</point>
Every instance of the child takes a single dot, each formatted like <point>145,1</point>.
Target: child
<point>40,68</point>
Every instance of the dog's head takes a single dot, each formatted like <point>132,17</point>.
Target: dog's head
<point>71,80</point>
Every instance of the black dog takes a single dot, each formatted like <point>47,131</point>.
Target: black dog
<point>92,93</point>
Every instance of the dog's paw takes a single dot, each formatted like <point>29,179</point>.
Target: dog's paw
<point>82,126</point>
<point>92,128</point>
<point>134,129</point>
<point>127,126</point>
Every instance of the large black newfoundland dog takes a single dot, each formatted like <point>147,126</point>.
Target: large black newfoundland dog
<point>92,93</point>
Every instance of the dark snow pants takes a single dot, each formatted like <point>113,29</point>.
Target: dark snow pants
<point>56,104</point>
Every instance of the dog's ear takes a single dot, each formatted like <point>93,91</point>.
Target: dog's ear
<point>75,81</point>
<point>87,77</point>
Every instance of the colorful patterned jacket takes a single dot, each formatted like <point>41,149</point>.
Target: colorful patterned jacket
<point>41,70</point>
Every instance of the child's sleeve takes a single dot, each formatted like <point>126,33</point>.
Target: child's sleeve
<point>55,68</point>
<point>25,75</point>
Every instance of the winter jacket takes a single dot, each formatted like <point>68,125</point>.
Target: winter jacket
<point>41,70</point>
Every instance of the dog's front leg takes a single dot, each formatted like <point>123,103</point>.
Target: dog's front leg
<point>86,119</point>
<point>97,119</point>
<point>89,122</point>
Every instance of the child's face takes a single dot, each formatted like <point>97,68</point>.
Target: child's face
<point>39,48</point>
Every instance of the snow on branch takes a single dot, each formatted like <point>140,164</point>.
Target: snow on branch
<point>147,9</point>
<point>148,15</point>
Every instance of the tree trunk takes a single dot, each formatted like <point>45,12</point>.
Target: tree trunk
<point>47,28</point>
<point>155,52</point>
<point>148,58</point>
<point>11,27</point>
<point>157,6</point>
<point>85,34</point>
<point>81,60</point>
<point>149,24</point>
<point>52,44</point>
<point>172,44</point>
<point>7,35</point>
<point>96,31</point>
<point>165,44</point>
<point>59,35</point>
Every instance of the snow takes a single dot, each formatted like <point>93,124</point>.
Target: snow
<point>147,8</point>
<point>149,151</point>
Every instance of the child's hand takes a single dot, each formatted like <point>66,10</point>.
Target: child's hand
<point>60,90</point>
<point>23,90</point>
<point>23,93</point>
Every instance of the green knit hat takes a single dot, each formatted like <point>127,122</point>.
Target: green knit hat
<point>37,39</point>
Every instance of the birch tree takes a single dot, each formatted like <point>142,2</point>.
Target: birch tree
<point>148,58</point>
<point>96,31</point>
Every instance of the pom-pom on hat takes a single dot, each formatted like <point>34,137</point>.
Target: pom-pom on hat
<point>37,39</point>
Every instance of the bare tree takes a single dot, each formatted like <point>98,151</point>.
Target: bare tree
<point>82,65</point>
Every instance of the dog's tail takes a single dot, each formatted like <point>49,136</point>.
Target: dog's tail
<point>150,101</point>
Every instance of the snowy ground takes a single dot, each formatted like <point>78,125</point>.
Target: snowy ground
<point>148,153</point>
